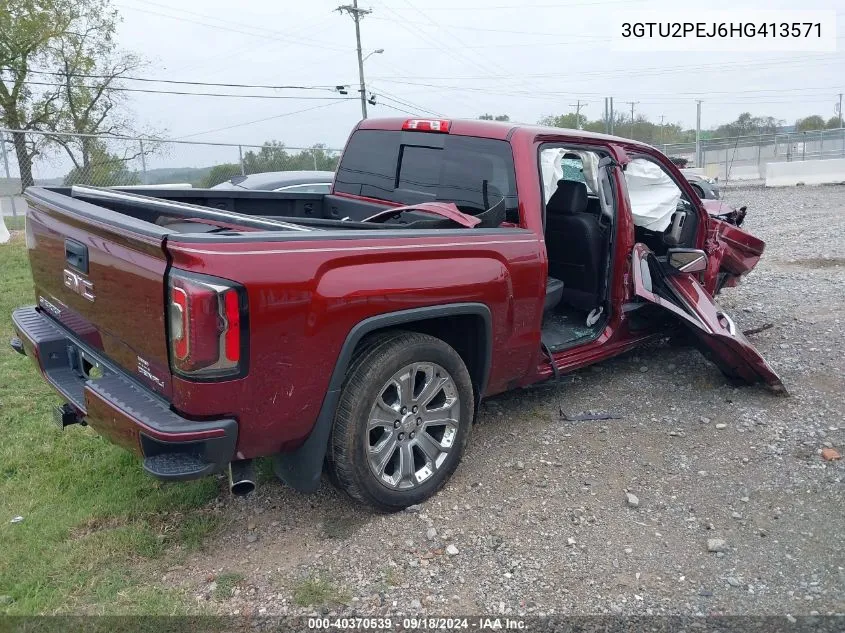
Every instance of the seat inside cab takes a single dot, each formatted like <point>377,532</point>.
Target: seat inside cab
<point>578,232</point>
<point>577,245</point>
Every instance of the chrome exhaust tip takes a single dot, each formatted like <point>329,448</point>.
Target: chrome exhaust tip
<point>241,477</point>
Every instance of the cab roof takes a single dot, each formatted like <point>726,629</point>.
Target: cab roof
<point>501,130</point>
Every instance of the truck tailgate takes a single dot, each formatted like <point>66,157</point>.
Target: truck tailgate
<point>101,275</point>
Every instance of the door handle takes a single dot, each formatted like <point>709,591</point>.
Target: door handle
<point>731,327</point>
<point>76,255</point>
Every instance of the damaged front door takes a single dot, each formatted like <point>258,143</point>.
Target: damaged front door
<point>680,293</point>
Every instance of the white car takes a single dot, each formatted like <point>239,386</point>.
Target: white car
<point>290,181</point>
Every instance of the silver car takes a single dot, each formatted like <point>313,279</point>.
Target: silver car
<point>705,187</point>
<point>289,181</point>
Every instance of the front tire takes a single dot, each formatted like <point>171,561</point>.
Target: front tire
<point>402,422</point>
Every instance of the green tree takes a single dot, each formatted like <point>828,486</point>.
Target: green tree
<point>89,67</point>
<point>27,29</point>
<point>271,157</point>
<point>832,123</point>
<point>274,157</point>
<point>569,121</point>
<point>746,124</point>
<point>641,130</point>
<point>102,170</point>
<point>221,173</point>
<point>813,122</point>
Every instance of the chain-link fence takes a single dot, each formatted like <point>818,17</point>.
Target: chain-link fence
<point>745,157</point>
<point>52,158</point>
<point>56,159</point>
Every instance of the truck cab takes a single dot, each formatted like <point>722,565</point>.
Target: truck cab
<point>613,218</point>
<point>358,331</point>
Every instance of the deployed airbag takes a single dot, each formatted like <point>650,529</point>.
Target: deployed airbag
<point>654,195</point>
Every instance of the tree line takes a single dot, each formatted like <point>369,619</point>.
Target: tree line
<point>642,129</point>
<point>273,157</point>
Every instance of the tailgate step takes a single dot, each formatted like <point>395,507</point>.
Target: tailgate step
<point>175,465</point>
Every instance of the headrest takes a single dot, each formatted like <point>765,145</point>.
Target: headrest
<point>569,198</point>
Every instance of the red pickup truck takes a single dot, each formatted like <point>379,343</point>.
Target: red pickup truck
<point>357,332</point>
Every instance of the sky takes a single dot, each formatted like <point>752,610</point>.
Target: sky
<point>458,58</point>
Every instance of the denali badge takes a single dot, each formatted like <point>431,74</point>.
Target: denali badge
<point>79,284</point>
<point>145,370</point>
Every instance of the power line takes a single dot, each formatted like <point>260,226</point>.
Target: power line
<point>384,94</point>
<point>531,6</point>
<point>192,94</point>
<point>422,35</point>
<point>302,42</point>
<point>446,47</point>
<point>231,54</point>
<point>484,63</point>
<point>227,20</point>
<point>486,30</point>
<point>178,82</point>
<point>269,118</point>
<point>778,62</point>
<point>476,61</point>
<point>393,107</point>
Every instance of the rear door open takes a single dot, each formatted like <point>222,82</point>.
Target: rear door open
<point>680,294</point>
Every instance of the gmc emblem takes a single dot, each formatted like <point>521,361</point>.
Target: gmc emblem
<point>79,284</point>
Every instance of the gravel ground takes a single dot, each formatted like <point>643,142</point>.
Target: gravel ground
<point>539,520</point>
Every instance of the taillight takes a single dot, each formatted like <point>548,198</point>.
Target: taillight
<point>206,326</point>
<point>426,125</point>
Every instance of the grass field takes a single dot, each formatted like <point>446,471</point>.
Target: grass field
<point>96,531</point>
<point>14,223</point>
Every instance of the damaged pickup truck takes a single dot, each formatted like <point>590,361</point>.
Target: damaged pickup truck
<point>356,332</point>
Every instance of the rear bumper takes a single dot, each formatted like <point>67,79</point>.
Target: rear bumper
<point>126,413</point>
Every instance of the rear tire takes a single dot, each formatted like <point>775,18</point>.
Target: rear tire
<point>403,420</point>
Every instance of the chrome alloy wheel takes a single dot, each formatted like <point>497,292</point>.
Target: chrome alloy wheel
<point>412,425</point>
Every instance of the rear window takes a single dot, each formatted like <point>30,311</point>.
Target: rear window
<point>414,167</point>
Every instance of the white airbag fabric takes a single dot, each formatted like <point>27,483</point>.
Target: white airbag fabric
<point>654,196</point>
<point>551,169</point>
<point>4,232</point>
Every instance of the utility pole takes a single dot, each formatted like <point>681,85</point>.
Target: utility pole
<point>611,115</point>
<point>840,110</point>
<point>577,107</point>
<point>357,14</point>
<point>632,104</point>
<point>698,133</point>
<point>606,119</point>
<point>661,132</point>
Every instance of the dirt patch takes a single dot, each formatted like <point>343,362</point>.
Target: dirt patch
<point>818,262</point>
<point>97,525</point>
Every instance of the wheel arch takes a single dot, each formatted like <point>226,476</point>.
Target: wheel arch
<point>301,469</point>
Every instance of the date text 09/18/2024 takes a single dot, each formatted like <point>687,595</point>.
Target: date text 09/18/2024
<point>422,623</point>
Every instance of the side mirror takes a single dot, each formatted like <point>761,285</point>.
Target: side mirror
<point>687,260</point>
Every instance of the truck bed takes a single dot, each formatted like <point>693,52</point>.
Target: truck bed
<point>215,210</point>
<point>115,274</point>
